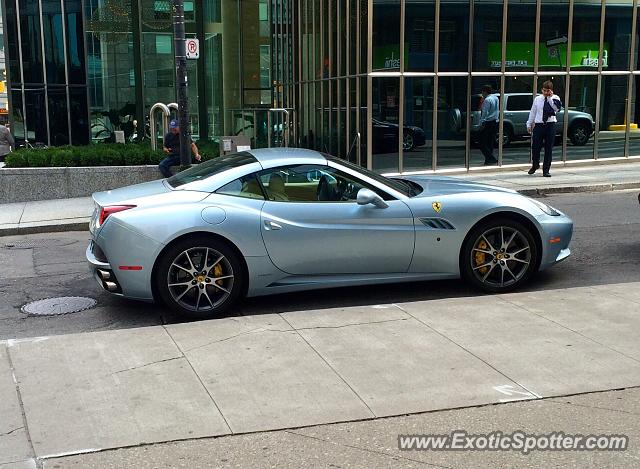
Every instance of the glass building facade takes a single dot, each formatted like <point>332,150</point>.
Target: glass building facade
<point>393,85</point>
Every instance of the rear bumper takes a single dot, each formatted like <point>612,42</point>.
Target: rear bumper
<point>101,270</point>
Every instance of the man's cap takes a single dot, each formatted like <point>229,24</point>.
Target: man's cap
<point>173,124</point>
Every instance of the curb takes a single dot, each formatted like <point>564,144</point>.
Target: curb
<point>48,228</point>
<point>577,189</point>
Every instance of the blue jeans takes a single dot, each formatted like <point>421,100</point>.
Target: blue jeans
<point>165,165</point>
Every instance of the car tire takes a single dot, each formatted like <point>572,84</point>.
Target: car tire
<point>507,137</point>
<point>408,143</point>
<point>579,133</point>
<point>218,283</point>
<point>499,255</point>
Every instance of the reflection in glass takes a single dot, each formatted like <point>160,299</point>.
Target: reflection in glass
<point>58,113</point>
<point>36,118</point>
<point>385,128</point>
<point>452,105</point>
<point>634,136</point>
<point>521,36</point>
<point>386,35</point>
<point>30,39</point>
<point>554,26</point>
<point>586,36</point>
<point>613,100</point>
<point>79,116</point>
<point>516,141</point>
<point>487,35</point>
<point>617,34</point>
<point>420,35</point>
<point>418,124</point>
<point>581,112</point>
<point>478,131</point>
<point>454,36</point>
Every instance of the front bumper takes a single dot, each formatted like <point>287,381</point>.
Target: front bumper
<point>556,236</point>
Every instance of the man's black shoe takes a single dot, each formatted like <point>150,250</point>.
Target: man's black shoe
<point>490,162</point>
<point>547,175</point>
<point>533,169</point>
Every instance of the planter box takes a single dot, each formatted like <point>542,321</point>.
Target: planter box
<point>28,184</point>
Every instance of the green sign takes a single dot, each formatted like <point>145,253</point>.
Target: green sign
<point>388,57</point>
<point>521,54</point>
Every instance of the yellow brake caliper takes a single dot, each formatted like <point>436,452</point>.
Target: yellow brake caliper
<point>217,272</point>
<point>480,257</point>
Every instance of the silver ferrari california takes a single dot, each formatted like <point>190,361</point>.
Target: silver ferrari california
<point>280,220</point>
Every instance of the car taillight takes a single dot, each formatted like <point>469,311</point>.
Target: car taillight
<point>110,209</point>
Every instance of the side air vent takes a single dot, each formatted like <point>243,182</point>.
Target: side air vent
<point>437,223</point>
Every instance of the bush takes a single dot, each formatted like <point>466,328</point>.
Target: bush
<point>101,154</point>
<point>17,159</point>
<point>39,158</point>
<point>63,157</point>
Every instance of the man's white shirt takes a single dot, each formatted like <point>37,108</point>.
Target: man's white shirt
<point>535,116</point>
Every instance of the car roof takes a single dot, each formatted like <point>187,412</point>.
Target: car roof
<point>272,157</point>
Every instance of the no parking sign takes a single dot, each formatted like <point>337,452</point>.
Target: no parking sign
<point>193,48</point>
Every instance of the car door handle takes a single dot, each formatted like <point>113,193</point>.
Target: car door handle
<point>271,225</point>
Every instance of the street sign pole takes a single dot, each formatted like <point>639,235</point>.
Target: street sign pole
<point>181,82</point>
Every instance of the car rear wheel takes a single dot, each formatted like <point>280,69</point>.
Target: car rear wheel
<point>200,277</point>
<point>499,255</point>
<point>408,143</point>
<point>579,133</point>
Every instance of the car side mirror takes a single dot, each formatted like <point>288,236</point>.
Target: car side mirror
<point>367,196</point>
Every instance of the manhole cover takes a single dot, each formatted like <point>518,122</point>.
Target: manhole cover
<point>38,243</point>
<point>57,306</point>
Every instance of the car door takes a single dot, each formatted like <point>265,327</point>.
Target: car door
<point>313,225</point>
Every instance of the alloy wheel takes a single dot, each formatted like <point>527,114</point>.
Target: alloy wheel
<point>501,256</point>
<point>200,279</point>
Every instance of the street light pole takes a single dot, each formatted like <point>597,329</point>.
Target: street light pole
<point>181,82</point>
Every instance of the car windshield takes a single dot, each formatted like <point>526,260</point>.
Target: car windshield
<point>397,185</point>
<point>210,168</point>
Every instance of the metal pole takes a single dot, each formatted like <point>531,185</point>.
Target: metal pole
<point>181,82</point>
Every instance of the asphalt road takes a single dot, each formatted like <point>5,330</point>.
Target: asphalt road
<point>606,250</point>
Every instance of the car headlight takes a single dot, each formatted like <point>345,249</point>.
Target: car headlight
<point>546,208</point>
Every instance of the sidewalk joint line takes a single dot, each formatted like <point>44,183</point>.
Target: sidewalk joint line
<point>21,404</point>
<point>199,379</point>
<point>534,394</point>
<point>366,450</point>
<point>572,330</point>
<point>330,367</point>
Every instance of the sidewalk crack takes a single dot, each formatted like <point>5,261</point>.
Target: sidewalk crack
<point>330,367</point>
<point>366,450</point>
<point>226,422</point>
<point>350,325</point>
<point>536,395</point>
<point>147,364</point>
<point>251,331</point>
<point>572,330</point>
<point>11,431</point>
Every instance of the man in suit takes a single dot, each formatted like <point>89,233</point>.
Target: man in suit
<point>542,127</point>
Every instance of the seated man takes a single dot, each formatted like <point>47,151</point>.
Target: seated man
<point>276,188</point>
<point>172,149</point>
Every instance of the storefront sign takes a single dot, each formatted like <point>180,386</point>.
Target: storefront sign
<point>521,54</point>
<point>388,57</point>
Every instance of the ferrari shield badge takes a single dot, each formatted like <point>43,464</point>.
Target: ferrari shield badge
<point>437,206</point>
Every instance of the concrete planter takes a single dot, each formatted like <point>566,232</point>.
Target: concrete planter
<point>28,184</point>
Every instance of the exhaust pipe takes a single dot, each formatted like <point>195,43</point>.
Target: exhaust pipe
<point>111,286</point>
<point>104,275</point>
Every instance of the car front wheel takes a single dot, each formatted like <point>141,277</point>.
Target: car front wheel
<point>499,255</point>
<point>407,142</point>
<point>200,277</point>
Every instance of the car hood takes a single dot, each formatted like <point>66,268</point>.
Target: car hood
<point>442,185</point>
<point>147,193</point>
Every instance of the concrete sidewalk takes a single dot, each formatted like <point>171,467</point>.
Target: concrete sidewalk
<point>82,393</point>
<point>74,214</point>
